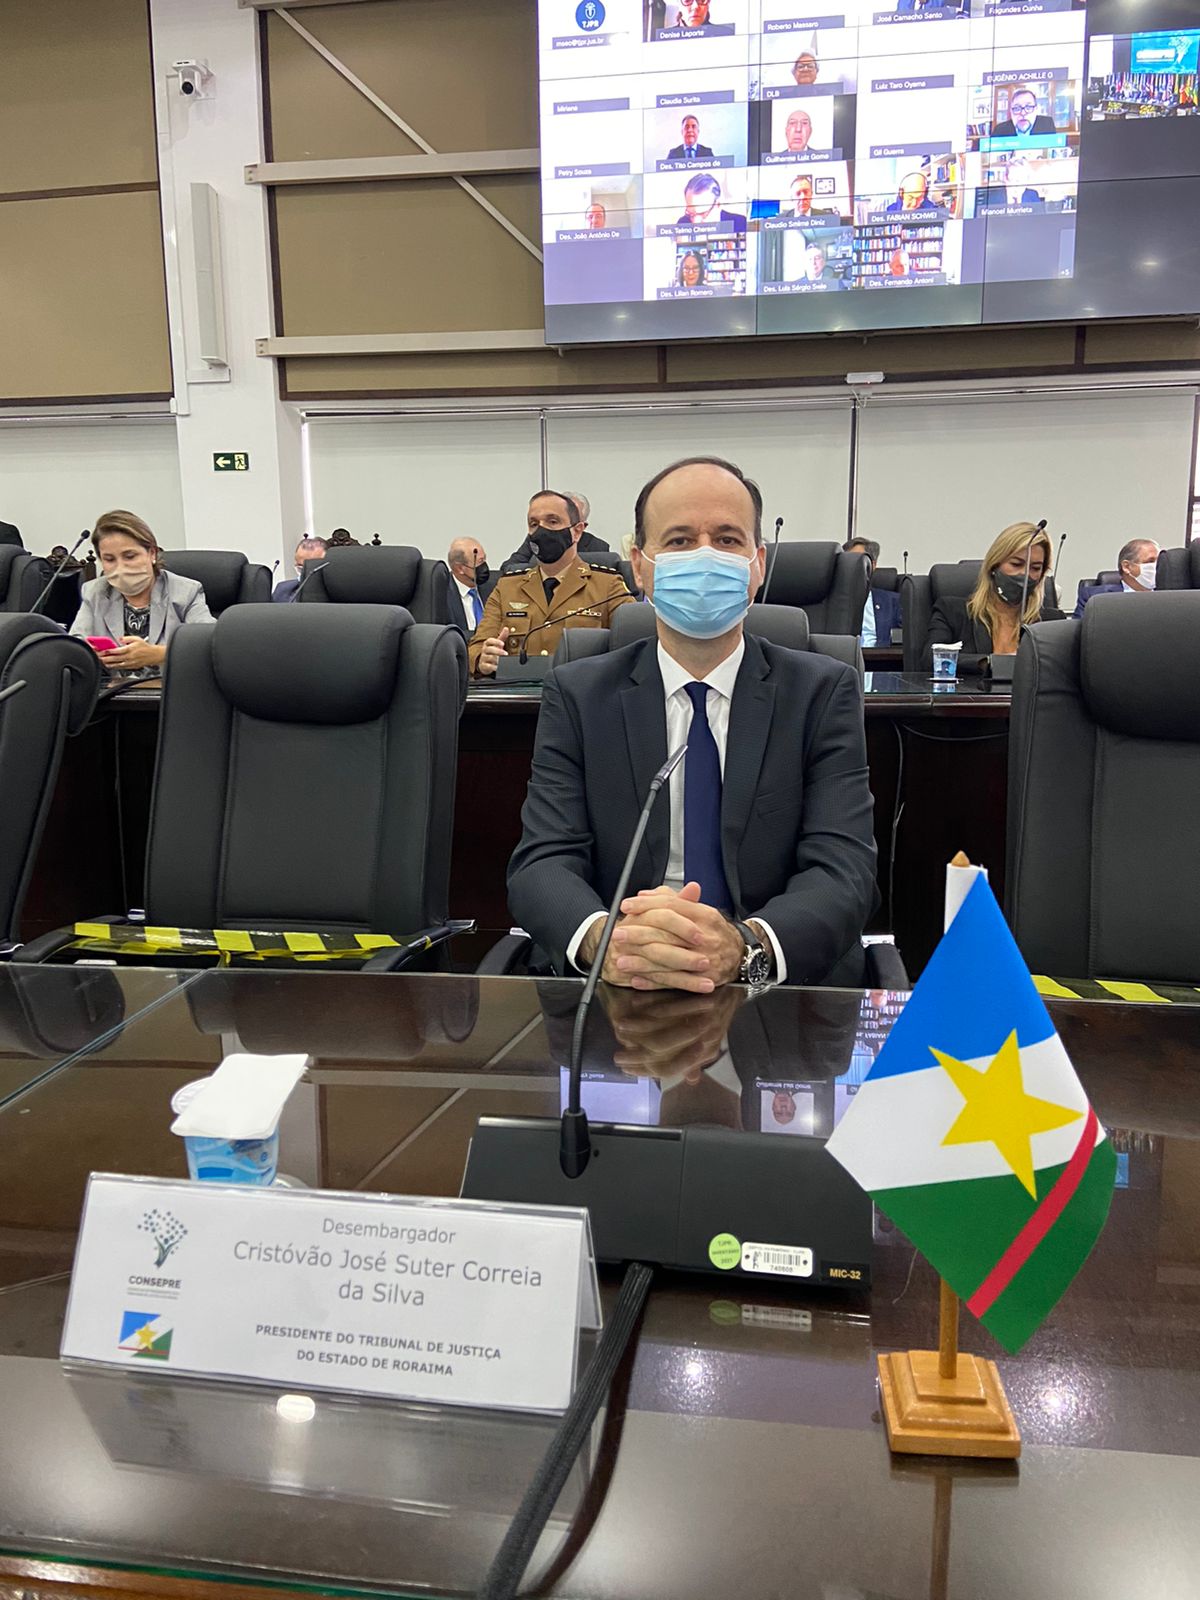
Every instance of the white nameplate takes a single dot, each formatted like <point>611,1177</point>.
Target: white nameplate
<point>453,1302</point>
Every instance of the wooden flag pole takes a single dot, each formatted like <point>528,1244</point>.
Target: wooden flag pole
<point>947,1332</point>
<point>939,1402</point>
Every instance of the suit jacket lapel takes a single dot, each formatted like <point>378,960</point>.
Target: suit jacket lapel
<point>749,728</point>
<point>644,710</point>
<point>159,603</point>
<point>112,614</point>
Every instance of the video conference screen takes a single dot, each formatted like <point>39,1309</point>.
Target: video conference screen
<point>720,168</point>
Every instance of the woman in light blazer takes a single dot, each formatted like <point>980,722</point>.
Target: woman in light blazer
<point>134,601</point>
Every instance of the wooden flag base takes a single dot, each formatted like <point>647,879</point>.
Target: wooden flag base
<point>927,1415</point>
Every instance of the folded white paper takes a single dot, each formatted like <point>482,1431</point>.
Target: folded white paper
<point>243,1099</point>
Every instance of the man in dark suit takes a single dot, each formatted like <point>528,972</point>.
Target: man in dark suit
<point>307,550</point>
<point>882,611</point>
<point>1023,119</point>
<point>759,867</point>
<point>691,149</point>
<point>1136,564</point>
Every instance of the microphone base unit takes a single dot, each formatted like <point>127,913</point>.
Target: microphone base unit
<point>511,669</point>
<point>695,1199</point>
<point>1002,667</point>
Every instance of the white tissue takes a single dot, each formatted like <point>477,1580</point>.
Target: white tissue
<point>243,1099</point>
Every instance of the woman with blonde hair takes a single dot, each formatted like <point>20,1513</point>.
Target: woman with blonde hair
<point>134,602</point>
<point>990,620</point>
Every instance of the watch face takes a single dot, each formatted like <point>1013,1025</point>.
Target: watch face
<point>757,966</point>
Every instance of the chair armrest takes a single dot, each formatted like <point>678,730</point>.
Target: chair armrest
<point>406,954</point>
<point>885,967</point>
<point>507,955</point>
<point>45,946</point>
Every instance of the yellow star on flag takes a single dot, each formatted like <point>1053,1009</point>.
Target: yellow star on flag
<point>999,1111</point>
<point>145,1337</point>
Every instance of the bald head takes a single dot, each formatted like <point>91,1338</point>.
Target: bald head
<point>463,556</point>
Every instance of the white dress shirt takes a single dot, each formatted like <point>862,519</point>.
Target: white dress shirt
<point>675,679</point>
<point>464,593</point>
<point>867,633</point>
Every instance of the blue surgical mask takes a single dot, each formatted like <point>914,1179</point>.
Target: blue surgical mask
<point>701,593</point>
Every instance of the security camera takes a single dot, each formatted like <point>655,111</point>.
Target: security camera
<point>193,78</point>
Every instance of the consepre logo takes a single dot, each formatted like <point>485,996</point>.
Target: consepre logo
<point>589,15</point>
<point>166,1230</point>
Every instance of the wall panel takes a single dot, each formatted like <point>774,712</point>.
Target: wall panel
<point>83,312</point>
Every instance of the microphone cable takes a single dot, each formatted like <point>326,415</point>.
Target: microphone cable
<point>504,1576</point>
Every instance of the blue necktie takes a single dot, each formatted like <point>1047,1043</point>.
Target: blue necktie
<point>702,806</point>
<point>476,607</point>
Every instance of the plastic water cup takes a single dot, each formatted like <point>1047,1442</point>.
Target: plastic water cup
<point>945,661</point>
<point>227,1160</point>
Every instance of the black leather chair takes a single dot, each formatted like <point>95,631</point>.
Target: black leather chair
<point>346,713</point>
<point>11,534</point>
<point>785,625</point>
<point>61,677</point>
<point>1179,569</point>
<point>393,575</point>
<point>827,583</point>
<point>228,578</point>
<point>920,592</point>
<point>21,578</point>
<point>886,578</point>
<point>1104,751</point>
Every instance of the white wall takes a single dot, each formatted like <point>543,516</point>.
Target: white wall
<point>424,481</point>
<point>941,480</point>
<point>800,460</point>
<point>56,478</point>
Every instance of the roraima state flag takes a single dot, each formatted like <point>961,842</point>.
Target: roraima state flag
<point>973,1134</point>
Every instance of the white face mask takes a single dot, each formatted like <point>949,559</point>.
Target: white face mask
<point>131,580</point>
<point>1148,574</point>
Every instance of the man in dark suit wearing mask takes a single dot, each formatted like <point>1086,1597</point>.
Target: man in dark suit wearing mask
<point>759,862</point>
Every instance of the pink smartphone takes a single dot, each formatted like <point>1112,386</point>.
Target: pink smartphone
<point>102,643</point>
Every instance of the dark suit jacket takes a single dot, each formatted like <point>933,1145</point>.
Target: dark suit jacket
<point>679,153</point>
<point>458,616</point>
<point>524,552</point>
<point>1008,129</point>
<point>285,592</point>
<point>950,621</point>
<point>1087,590</point>
<point>796,808</point>
<point>887,614</point>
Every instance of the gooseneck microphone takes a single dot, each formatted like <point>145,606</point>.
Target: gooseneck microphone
<point>550,622</point>
<point>1057,559</point>
<point>309,569</point>
<point>906,563</point>
<point>762,599</point>
<point>1041,528</point>
<point>86,534</point>
<point>574,1144</point>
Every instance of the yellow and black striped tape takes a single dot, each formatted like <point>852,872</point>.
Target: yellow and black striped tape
<point>1144,994</point>
<point>136,939</point>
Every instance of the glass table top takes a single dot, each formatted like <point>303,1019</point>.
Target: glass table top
<point>743,1448</point>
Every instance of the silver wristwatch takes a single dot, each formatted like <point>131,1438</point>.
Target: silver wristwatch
<point>756,963</point>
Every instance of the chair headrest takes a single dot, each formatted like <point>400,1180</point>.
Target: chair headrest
<point>10,554</point>
<point>309,664</point>
<point>28,641</point>
<point>802,572</point>
<point>1139,664</point>
<point>365,576</point>
<point>956,578</point>
<point>219,572</point>
<point>784,625</point>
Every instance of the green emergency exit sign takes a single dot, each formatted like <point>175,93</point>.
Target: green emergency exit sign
<point>232,461</point>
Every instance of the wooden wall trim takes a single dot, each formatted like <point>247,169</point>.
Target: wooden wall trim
<point>82,190</point>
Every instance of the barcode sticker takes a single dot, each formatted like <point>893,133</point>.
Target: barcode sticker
<point>784,1261</point>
